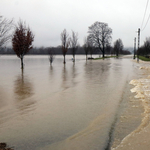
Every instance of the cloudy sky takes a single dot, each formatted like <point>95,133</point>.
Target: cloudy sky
<point>48,18</point>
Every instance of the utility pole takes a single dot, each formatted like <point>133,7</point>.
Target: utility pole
<point>134,47</point>
<point>138,45</point>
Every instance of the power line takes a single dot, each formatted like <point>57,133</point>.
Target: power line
<point>139,30</point>
<point>146,23</point>
<point>144,14</point>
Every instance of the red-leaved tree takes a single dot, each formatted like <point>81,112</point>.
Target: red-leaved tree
<point>22,40</point>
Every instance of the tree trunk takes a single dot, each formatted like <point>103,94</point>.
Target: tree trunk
<point>103,50</point>
<point>103,54</point>
<point>64,59</point>
<point>21,62</point>
<point>117,53</point>
<point>74,58</point>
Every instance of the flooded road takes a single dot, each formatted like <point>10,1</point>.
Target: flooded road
<point>76,106</point>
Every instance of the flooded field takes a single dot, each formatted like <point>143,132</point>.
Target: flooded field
<point>83,106</point>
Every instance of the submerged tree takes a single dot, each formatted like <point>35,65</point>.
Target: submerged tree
<point>90,46</point>
<point>65,43</point>
<point>86,47</point>
<point>22,40</point>
<point>74,44</point>
<point>51,55</point>
<point>5,28</point>
<point>118,47</point>
<point>100,35</point>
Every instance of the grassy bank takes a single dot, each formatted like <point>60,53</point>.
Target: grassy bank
<point>144,58</point>
<point>105,57</point>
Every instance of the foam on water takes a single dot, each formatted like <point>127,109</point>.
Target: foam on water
<point>142,93</point>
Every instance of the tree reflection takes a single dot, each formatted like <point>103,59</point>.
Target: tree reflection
<point>4,114</point>
<point>51,70</point>
<point>74,74</point>
<point>3,97</point>
<point>23,91</point>
<point>97,71</point>
<point>64,78</point>
<point>69,78</point>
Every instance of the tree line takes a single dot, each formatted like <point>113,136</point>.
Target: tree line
<point>144,50</point>
<point>98,41</point>
<point>58,51</point>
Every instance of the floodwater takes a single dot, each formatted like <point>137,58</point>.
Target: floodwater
<point>83,106</point>
<point>138,139</point>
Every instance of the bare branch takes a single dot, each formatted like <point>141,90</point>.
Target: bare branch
<point>74,44</point>
<point>100,35</point>
<point>118,47</point>
<point>5,28</point>
<point>65,42</point>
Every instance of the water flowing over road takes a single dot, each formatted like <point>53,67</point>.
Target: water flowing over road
<point>72,107</point>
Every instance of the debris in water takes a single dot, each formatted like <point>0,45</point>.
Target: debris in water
<point>3,146</point>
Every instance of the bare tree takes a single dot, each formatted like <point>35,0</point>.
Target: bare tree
<point>51,55</point>
<point>90,46</point>
<point>65,43</point>
<point>74,44</point>
<point>5,28</point>
<point>100,35</point>
<point>22,40</point>
<point>86,47</point>
<point>118,47</point>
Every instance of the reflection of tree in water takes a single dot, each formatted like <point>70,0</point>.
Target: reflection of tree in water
<point>96,70</point>
<point>23,88</point>
<point>73,71</point>
<point>69,78</point>
<point>3,97</point>
<point>64,78</point>
<point>51,71</point>
<point>4,114</point>
<point>23,91</point>
<point>74,75</point>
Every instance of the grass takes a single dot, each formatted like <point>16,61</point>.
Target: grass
<point>140,57</point>
<point>144,58</point>
<point>104,57</point>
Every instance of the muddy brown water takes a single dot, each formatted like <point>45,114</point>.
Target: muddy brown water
<point>81,106</point>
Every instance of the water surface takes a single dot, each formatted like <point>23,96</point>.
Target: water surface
<point>73,106</point>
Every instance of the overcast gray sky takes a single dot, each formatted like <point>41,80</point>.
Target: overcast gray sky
<point>48,18</point>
